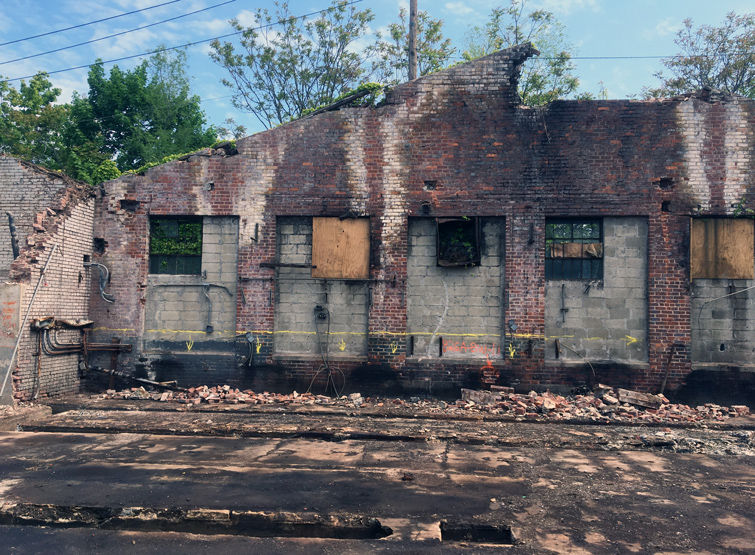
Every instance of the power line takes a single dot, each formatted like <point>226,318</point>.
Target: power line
<point>167,49</point>
<point>116,34</point>
<point>89,23</point>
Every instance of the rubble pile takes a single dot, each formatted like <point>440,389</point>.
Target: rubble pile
<point>604,404</point>
<point>229,395</point>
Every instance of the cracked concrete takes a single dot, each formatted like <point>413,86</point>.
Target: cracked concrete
<point>560,488</point>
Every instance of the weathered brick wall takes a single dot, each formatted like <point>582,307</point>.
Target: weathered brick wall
<point>64,292</point>
<point>25,191</point>
<point>455,142</point>
<point>606,320</point>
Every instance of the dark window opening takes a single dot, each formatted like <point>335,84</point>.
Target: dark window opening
<point>458,241</point>
<point>99,245</point>
<point>130,205</point>
<point>175,246</point>
<point>574,249</point>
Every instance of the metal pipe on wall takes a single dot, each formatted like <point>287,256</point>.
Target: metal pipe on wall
<point>23,324</point>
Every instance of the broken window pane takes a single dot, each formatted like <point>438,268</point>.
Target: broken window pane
<point>458,241</point>
<point>573,249</point>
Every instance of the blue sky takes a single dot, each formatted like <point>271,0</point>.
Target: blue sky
<point>597,28</point>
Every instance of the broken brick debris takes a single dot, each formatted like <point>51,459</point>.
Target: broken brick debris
<point>604,404</point>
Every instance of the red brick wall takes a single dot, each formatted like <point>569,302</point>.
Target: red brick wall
<point>488,156</point>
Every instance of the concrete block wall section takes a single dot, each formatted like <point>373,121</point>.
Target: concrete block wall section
<point>177,312</point>
<point>343,330</point>
<point>722,324</point>
<point>606,320</point>
<point>454,312</point>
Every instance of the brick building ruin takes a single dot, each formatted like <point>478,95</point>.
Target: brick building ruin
<point>52,218</point>
<point>448,237</point>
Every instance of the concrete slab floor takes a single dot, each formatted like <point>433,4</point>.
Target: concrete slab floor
<point>576,498</point>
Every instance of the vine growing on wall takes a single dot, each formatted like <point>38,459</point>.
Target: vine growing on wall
<point>176,237</point>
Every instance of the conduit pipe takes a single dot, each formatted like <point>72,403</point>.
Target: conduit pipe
<point>104,277</point>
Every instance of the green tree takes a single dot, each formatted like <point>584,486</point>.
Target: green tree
<point>719,57</point>
<point>545,78</point>
<point>139,116</point>
<point>31,124</point>
<point>280,72</point>
<point>391,64</point>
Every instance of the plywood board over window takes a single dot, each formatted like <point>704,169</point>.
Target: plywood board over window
<point>722,249</point>
<point>341,248</point>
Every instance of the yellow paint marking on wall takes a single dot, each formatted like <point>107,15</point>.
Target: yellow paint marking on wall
<point>215,333</point>
<point>342,345</point>
<point>629,339</point>
<point>259,346</point>
<point>394,348</point>
<point>512,351</point>
<point>189,344</point>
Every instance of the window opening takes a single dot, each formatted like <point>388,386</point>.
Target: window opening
<point>458,241</point>
<point>574,249</point>
<point>175,246</point>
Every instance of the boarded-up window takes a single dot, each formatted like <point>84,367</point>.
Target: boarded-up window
<point>722,249</point>
<point>341,248</point>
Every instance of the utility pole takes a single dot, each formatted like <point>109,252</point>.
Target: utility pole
<point>412,40</point>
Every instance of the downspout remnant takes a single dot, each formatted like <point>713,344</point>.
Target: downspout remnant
<point>13,236</point>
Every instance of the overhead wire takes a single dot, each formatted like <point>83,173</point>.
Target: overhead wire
<point>169,48</point>
<point>115,34</point>
<point>80,25</point>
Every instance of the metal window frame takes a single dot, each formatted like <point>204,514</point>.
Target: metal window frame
<point>550,261</point>
<point>175,257</point>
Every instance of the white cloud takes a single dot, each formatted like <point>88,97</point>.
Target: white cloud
<point>131,43</point>
<point>247,18</point>
<point>458,8</point>
<point>665,27</point>
<point>208,28</point>
<point>566,7</point>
